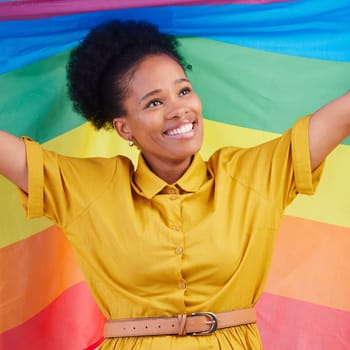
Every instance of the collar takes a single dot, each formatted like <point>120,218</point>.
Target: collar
<point>149,184</point>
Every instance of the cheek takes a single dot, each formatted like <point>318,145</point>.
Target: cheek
<point>146,123</point>
<point>197,104</point>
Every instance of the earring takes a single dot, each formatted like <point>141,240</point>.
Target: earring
<point>130,143</point>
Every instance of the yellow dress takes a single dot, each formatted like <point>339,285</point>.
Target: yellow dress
<point>151,249</point>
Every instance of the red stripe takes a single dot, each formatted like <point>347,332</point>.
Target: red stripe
<point>71,322</point>
<point>95,345</point>
<point>48,8</point>
<point>288,324</point>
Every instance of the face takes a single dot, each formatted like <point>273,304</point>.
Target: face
<point>164,114</point>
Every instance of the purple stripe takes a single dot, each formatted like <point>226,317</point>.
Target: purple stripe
<point>47,8</point>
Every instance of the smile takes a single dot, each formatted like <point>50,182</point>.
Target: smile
<point>181,130</point>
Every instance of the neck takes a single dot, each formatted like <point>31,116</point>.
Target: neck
<point>169,171</point>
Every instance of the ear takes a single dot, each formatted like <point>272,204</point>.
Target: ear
<point>121,126</point>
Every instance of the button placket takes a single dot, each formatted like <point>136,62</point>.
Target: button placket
<point>173,209</point>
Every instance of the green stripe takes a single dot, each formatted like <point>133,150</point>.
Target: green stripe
<point>237,85</point>
<point>261,90</point>
<point>37,104</point>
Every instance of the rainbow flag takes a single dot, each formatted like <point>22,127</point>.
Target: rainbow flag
<point>258,65</point>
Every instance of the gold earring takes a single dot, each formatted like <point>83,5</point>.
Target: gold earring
<point>130,143</point>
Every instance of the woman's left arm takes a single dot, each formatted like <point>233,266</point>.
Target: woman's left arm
<point>329,126</point>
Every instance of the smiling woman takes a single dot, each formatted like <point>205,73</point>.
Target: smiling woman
<point>178,246</point>
<point>163,116</point>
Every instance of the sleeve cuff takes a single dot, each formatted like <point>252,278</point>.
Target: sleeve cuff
<point>33,202</point>
<point>306,180</point>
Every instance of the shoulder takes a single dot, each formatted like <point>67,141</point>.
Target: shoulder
<point>243,161</point>
<point>68,166</point>
<point>95,169</point>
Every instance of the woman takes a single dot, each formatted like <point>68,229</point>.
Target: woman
<point>176,251</point>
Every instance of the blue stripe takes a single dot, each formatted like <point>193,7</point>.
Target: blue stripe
<point>300,28</point>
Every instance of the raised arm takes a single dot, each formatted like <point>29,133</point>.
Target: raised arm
<point>329,126</point>
<point>13,163</point>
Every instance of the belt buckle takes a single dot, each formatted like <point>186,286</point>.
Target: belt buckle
<point>213,321</point>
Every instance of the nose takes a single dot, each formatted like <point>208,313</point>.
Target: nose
<point>177,109</point>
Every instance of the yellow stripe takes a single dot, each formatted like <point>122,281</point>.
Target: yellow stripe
<point>329,205</point>
<point>14,225</point>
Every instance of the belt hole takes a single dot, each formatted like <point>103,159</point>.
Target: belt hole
<point>173,325</point>
<point>134,327</point>
<point>159,326</point>
<point>146,326</point>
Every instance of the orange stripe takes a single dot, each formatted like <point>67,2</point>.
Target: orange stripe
<point>72,321</point>
<point>311,263</point>
<point>33,273</point>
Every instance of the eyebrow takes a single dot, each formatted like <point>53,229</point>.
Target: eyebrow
<point>157,91</point>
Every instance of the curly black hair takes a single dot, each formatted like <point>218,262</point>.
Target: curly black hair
<point>98,67</point>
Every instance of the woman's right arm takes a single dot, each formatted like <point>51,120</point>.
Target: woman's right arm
<point>13,164</point>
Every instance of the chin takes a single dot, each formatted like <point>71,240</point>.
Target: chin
<point>191,152</point>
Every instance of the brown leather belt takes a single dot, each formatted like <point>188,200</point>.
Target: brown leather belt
<point>198,323</point>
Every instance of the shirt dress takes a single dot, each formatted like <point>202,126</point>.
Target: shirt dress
<point>152,249</point>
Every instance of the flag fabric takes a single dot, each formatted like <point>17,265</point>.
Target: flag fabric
<point>258,66</point>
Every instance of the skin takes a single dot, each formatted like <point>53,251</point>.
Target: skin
<point>164,116</point>
<point>329,126</point>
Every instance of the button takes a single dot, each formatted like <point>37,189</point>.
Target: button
<point>171,191</point>
<point>176,228</point>
<point>173,197</point>
<point>182,285</point>
<point>179,250</point>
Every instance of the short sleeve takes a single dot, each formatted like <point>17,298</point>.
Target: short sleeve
<point>62,187</point>
<point>277,170</point>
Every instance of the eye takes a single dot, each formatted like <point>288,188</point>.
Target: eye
<point>154,103</point>
<point>185,91</point>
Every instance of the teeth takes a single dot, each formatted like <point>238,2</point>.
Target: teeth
<point>183,129</point>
